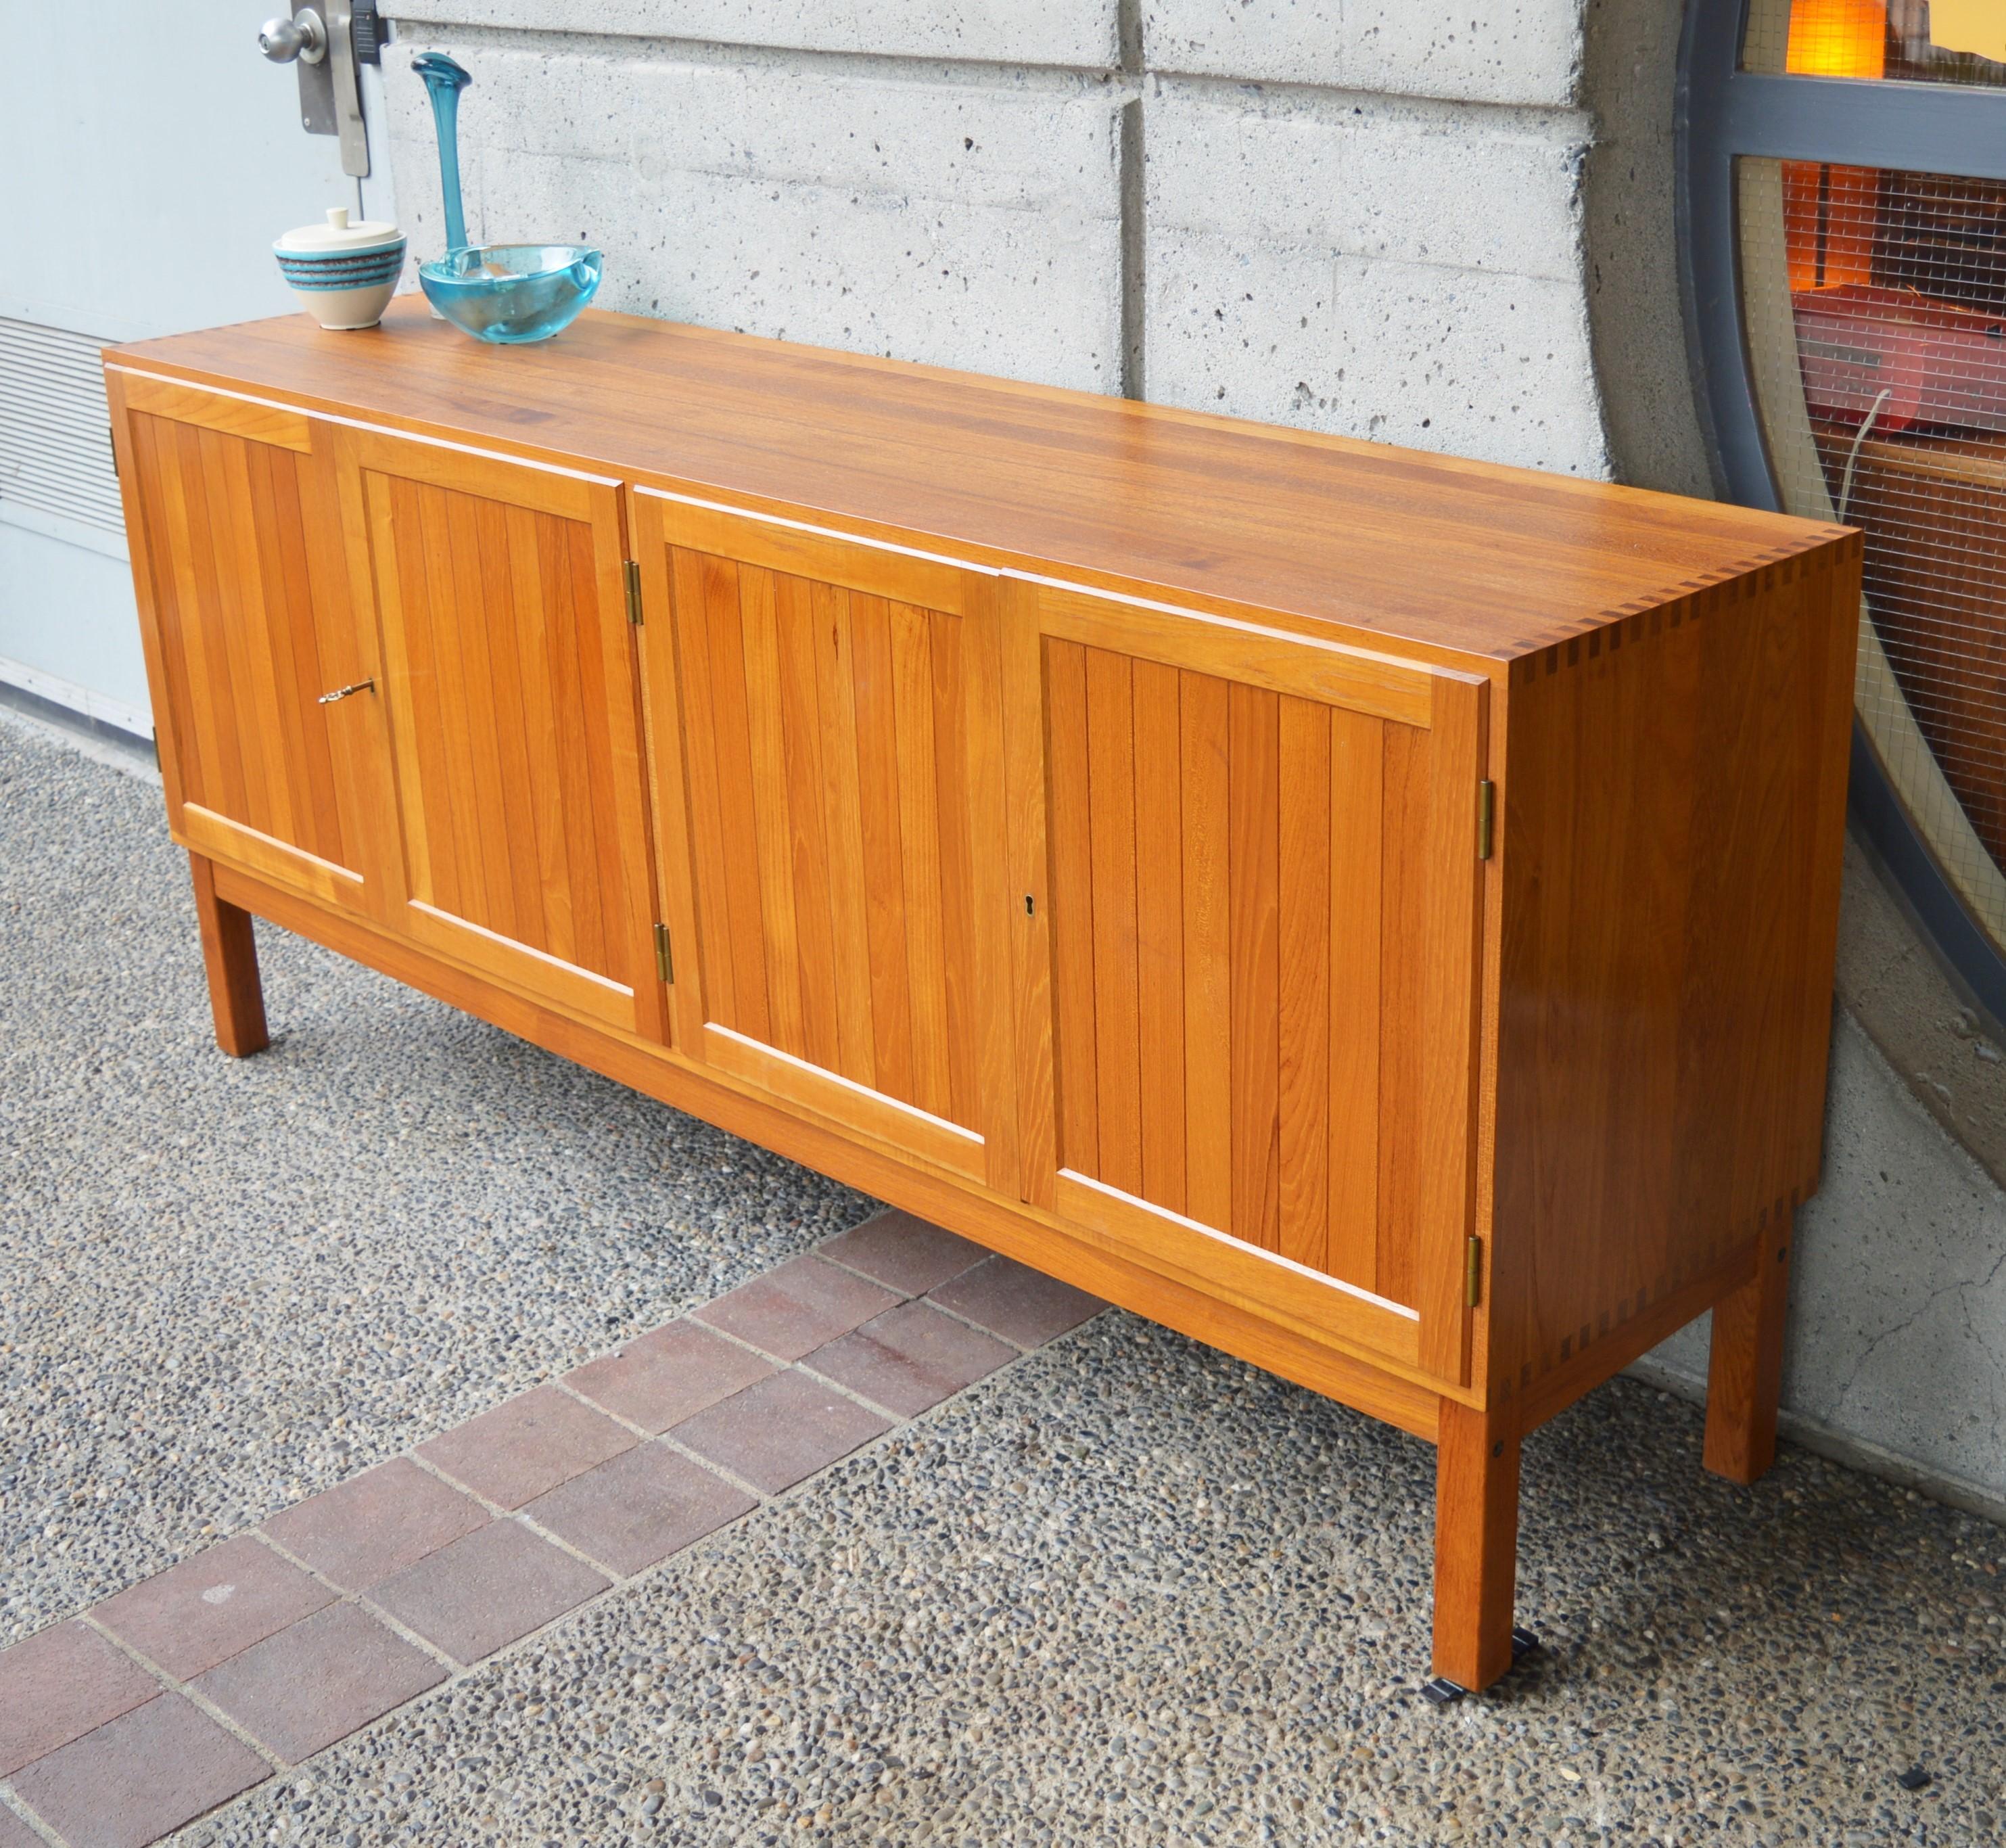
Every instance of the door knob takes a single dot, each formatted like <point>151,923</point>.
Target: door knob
<point>361,686</point>
<point>303,37</point>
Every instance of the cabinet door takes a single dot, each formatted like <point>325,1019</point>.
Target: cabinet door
<point>827,741</point>
<point>511,686</point>
<point>238,564</point>
<point>1247,970</point>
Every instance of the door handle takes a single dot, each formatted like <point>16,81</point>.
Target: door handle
<point>302,36</point>
<point>361,686</point>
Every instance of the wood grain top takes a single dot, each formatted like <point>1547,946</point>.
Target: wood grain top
<point>1467,556</point>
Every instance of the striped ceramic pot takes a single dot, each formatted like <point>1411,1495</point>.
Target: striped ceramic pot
<point>342,274</point>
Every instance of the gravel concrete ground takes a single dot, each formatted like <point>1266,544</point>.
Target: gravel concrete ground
<point>225,1284</point>
<point>1127,1591</point>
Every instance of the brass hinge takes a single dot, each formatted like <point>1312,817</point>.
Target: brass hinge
<point>633,591</point>
<point>1473,1271</point>
<point>1487,808</point>
<point>665,962</point>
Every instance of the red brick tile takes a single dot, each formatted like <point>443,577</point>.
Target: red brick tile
<point>515,1452</point>
<point>319,1680</point>
<point>905,1253</point>
<point>59,1685</point>
<point>793,1310</point>
<point>640,1507</point>
<point>15,1833</point>
<point>195,1614</point>
<point>140,1777</point>
<point>910,1357</point>
<point>668,1375</point>
<point>481,1593</point>
<point>359,1532</point>
<point>1019,1304</point>
<point>776,1432</point>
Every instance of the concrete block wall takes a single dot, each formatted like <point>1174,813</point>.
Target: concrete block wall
<point>1428,222</point>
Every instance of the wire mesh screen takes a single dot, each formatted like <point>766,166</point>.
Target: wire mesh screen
<point>1908,41</point>
<point>1875,303</point>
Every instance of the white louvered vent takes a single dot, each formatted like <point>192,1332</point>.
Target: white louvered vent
<point>55,442</point>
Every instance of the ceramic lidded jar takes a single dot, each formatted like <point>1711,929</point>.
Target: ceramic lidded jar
<point>343,274</point>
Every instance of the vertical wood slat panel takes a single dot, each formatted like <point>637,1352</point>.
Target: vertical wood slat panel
<point>431,875</point>
<point>843,822</point>
<point>258,711</point>
<point>1357,797</point>
<point>550,836</point>
<point>279,724</point>
<point>232,619</point>
<point>799,708</point>
<point>1254,878</point>
<point>574,663</point>
<point>703,754</point>
<point>1204,725</point>
<point>235,598</point>
<point>166,567</point>
<point>739,830</point>
<point>470,620</point>
<point>296,645</point>
<point>884,854</point>
<point>175,584</point>
<point>1111,823</point>
<point>212,691</point>
<point>919,828</point>
<point>235,605</point>
<point>504,620</point>
<point>1159,930</point>
<point>957,872</point>
<point>1305,1098</point>
<point>498,682</point>
<point>1072,907</point>
<point>1404,919</point>
<point>421,544</point>
<point>772,831</point>
<point>614,857</point>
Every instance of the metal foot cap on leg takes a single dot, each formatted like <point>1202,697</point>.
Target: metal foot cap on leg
<point>1441,1692</point>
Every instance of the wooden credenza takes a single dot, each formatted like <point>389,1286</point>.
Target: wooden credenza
<point>1372,911</point>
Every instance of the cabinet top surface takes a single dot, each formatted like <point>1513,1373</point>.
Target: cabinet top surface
<point>1448,553</point>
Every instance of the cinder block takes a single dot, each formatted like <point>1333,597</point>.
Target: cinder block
<point>932,218</point>
<point>1479,50</point>
<point>1291,278</point>
<point>1078,33</point>
<point>1421,182</point>
<point>1473,364</point>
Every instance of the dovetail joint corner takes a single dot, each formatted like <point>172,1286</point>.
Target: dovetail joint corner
<point>665,961</point>
<point>633,591</point>
<point>1487,811</point>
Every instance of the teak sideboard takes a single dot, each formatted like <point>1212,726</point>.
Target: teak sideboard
<point>1371,911</point>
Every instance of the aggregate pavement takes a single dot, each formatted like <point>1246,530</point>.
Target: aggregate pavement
<point>1125,1590</point>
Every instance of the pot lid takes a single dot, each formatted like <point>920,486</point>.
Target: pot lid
<point>337,234</point>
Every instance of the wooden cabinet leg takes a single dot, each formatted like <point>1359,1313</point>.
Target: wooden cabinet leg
<point>1745,1371</point>
<point>230,953</point>
<point>1476,1543</point>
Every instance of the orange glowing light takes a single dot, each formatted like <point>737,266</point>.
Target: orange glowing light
<point>1838,38</point>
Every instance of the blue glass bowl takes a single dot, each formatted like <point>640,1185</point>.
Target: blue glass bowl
<point>510,293</point>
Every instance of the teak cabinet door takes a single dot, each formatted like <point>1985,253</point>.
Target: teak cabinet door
<point>1247,971</point>
<point>831,823</point>
<point>511,686</point>
<point>247,623</point>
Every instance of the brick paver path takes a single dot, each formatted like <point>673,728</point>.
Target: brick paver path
<point>156,1706</point>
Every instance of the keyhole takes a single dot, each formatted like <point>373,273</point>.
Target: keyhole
<point>1030,906</point>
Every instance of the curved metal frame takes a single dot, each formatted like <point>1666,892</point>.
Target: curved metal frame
<point>1723,112</point>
